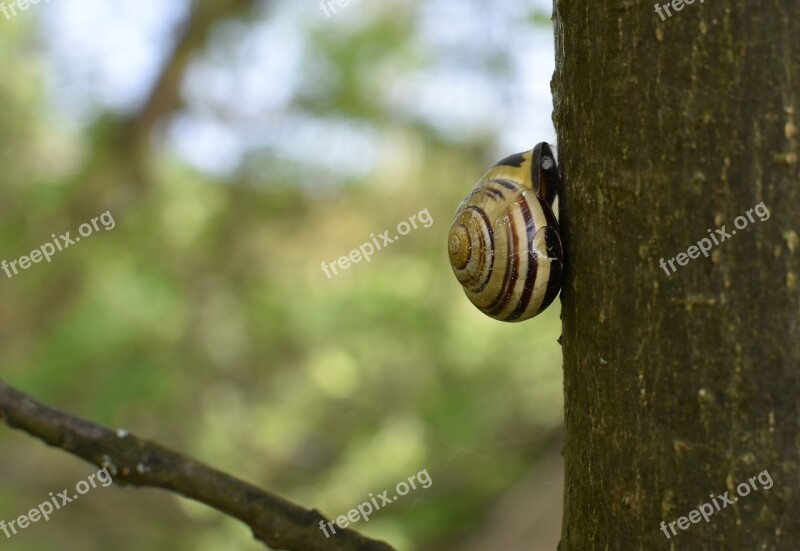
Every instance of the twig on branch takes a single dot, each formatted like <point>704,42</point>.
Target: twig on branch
<point>136,462</point>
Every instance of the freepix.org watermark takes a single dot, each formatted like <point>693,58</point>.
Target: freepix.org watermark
<point>57,501</point>
<point>677,5</point>
<point>719,503</point>
<point>364,510</point>
<point>366,250</point>
<point>718,235</point>
<point>10,9</point>
<point>48,250</point>
<point>326,5</point>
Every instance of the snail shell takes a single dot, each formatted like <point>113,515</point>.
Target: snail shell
<point>504,243</point>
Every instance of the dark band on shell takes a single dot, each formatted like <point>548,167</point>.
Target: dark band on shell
<point>504,243</point>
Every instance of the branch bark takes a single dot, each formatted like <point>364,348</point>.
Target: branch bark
<point>137,462</point>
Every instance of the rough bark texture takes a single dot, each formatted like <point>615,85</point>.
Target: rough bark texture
<point>136,462</point>
<point>679,386</point>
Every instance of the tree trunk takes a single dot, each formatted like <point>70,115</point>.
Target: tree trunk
<point>680,387</point>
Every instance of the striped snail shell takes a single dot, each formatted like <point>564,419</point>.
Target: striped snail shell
<point>504,242</point>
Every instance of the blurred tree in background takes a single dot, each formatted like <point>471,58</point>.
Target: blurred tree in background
<point>239,145</point>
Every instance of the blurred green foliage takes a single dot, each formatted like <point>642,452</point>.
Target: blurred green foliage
<point>203,320</point>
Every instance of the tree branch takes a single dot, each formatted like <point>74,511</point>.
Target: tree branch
<point>165,96</point>
<point>136,462</point>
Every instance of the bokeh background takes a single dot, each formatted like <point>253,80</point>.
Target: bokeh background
<point>235,160</point>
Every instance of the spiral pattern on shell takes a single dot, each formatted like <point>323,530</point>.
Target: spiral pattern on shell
<point>504,243</point>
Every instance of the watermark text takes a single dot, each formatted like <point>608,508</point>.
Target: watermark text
<point>59,500</point>
<point>10,9</point>
<point>366,249</point>
<point>718,503</point>
<point>49,249</point>
<point>718,235</point>
<point>374,503</point>
<point>677,5</point>
<point>326,5</point>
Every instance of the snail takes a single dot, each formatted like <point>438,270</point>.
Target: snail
<point>504,242</point>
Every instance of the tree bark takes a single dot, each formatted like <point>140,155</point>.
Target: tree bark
<point>682,386</point>
<point>130,460</point>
